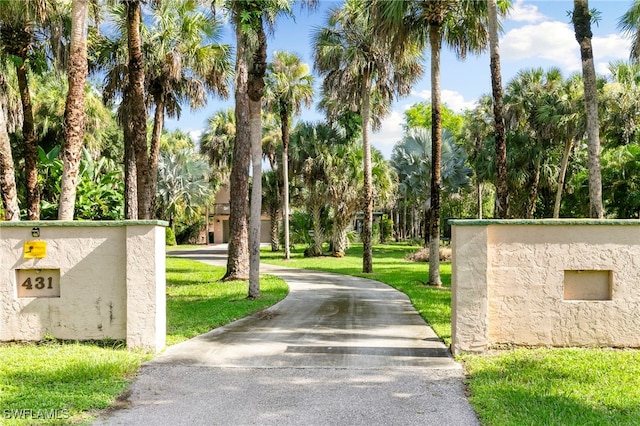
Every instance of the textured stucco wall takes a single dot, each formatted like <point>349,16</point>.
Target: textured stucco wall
<point>112,282</point>
<point>518,273</point>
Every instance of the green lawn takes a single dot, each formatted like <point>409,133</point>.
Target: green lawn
<point>54,382</point>
<point>556,387</point>
<point>71,381</point>
<point>513,387</point>
<point>198,302</point>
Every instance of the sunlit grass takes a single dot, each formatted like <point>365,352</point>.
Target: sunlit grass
<point>556,387</point>
<point>60,380</point>
<point>197,301</point>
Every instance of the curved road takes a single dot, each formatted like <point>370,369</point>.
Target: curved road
<point>337,350</point>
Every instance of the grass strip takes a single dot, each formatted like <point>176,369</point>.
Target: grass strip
<point>555,387</point>
<point>59,383</point>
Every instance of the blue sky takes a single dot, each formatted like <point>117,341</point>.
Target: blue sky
<point>536,34</point>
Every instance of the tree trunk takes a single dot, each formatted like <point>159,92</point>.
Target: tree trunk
<point>207,224</point>
<point>339,238</point>
<point>256,199</point>
<point>138,109</point>
<point>238,252</point>
<point>533,193</point>
<point>479,198</point>
<point>284,120</point>
<point>435,38</point>
<point>367,228</point>
<point>130,175</point>
<point>502,187</point>
<point>275,243</point>
<point>7,174</point>
<point>156,135</point>
<point>563,172</point>
<point>75,117</point>
<point>255,89</point>
<point>582,26</point>
<point>318,232</point>
<point>30,145</point>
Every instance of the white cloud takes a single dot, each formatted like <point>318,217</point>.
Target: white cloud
<point>611,47</point>
<point>195,136</point>
<point>389,134</point>
<point>551,41</point>
<point>554,41</point>
<point>452,99</point>
<point>521,12</point>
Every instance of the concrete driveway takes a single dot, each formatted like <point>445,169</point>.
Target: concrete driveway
<point>337,351</point>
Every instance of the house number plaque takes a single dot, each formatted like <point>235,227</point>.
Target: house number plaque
<point>38,282</point>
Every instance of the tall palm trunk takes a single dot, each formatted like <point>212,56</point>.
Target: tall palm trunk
<point>533,192</point>
<point>367,229</point>
<point>479,198</point>
<point>238,253</point>
<point>138,109</point>
<point>154,153</point>
<point>75,117</point>
<point>130,175</point>
<point>563,173</point>
<point>255,91</point>
<point>582,26</point>
<point>318,231</point>
<point>7,174</point>
<point>502,187</point>
<point>435,38</point>
<point>273,217</point>
<point>30,145</point>
<point>284,126</point>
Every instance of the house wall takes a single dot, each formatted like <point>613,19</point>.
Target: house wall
<point>545,283</point>
<point>111,281</point>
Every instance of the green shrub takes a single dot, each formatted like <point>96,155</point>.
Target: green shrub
<point>170,237</point>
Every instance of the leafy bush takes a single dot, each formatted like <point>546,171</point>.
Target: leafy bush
<point>170,237</point>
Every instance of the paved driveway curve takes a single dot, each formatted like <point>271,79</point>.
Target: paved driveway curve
<point>337,351</point>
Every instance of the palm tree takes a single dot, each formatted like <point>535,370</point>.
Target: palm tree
<point>136,111</point>
<point>183,63</point>
<point>251,64</point>
<point>411,160</point>
<point>461,24</point>
<point>183,184</point>
<point>527,96</point>
<point>289,84</point>
<point>582,25</point>
<point>19,23</point>
<point>271,204</point>
<point>629,23</point>
<point>217,141</point>
<point>560,114</point>
<point>312,145</point>
<point>111,57</point>
<point>75,116</point>
<point>502,194</point>
<point>358,69</point>
<point>7,174</point>
<point>476,133</point>
<point>10,115</point>
<point>621,110</point>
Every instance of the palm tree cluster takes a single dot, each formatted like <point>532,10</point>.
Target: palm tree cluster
<point>533,145</point>
<point>158,56</point>
<point>546,136</point>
